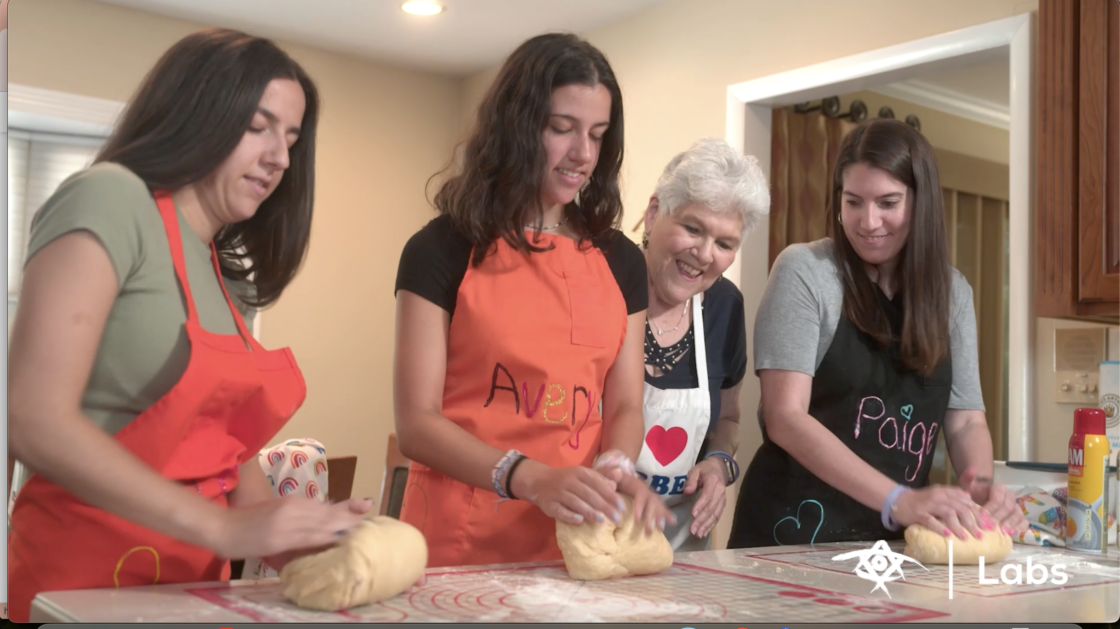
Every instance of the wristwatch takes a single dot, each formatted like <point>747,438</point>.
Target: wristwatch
<point>729,464</point>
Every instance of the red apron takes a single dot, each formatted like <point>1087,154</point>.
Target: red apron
<point>230,401</point>
<point>531,341</point>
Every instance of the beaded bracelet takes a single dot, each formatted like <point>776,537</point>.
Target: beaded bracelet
<point>500,469</point>
<point>615,458</point>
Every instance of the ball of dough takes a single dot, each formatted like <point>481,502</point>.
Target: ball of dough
<point>927,546</point>
<point>378,559</point>
<point>602,550</point>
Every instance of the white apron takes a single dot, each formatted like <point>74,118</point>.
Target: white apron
<point>676,422</point>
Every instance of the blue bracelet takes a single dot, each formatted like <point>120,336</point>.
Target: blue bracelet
<point>730,459</point>
<point>888,504</point>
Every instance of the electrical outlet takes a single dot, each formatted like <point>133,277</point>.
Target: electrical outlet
<point>1077,387</point>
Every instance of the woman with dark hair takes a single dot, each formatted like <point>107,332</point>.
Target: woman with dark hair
<point>136,394</point>
<point>865,346</point>
<point>520,313</point>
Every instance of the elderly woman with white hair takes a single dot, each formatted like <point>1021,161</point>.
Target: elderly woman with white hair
<point>706,201</point>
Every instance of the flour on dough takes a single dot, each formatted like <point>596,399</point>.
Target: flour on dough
<point>603,550</point>
<point>379,559</point>
<point>926,546</point>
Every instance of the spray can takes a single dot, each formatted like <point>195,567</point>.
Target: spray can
<point>1087,509</point>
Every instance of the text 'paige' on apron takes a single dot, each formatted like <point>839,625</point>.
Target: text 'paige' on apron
<point>888,415</point>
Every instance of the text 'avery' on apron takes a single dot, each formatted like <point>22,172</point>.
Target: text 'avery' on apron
<point>531,341</point>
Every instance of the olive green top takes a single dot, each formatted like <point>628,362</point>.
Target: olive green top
<point>144,348</point>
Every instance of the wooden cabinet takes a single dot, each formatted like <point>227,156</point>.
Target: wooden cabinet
<point>1078,159</point>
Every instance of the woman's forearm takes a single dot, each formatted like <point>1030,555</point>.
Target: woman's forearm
<point>624,432</point>
<point>724,436</point>
<point>623,423</point>
<point>439,443</point>
<point>252,485</point>
<point>822,453</point>
<point>970,445</point>
<point>59,449</point>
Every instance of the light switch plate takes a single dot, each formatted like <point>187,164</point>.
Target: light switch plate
<point>1077,387</point>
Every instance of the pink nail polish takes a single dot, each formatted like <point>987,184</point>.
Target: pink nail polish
<point>947,532</point>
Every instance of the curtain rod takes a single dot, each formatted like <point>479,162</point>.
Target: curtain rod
<point>857,111</point>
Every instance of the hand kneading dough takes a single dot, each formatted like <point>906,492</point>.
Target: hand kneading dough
<point>929,547</point>
<point>594,551</point>
<point>379,559</point>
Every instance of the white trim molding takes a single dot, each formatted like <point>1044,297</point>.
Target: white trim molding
<point>949,101</point>
<point>61,112</point>
<point>749,106</point>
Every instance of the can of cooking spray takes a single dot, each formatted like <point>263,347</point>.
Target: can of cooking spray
<point>1087,509</point>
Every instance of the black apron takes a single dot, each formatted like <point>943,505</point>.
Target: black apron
<point>889,415</point>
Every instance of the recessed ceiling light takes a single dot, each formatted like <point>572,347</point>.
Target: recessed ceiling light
<point>421,7</point>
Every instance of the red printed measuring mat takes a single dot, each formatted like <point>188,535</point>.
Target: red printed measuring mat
<point>1023,564</point>
<point>545,593</point>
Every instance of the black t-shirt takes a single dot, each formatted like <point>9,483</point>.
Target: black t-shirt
<point>436,258</point>
<point>725,339</point>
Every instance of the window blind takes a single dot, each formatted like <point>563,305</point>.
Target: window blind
<point>37,164</point>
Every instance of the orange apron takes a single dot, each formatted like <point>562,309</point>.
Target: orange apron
<point>531,341</point>
<point>230,401</point>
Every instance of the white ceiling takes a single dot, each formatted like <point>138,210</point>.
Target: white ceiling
<point>469,36</point>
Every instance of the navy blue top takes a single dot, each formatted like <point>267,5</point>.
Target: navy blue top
<point>725,338</point>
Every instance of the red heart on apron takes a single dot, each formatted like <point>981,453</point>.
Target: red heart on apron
<point>666,445</point>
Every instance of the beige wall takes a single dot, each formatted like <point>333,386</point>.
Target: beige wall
<point>675,61</point>
<point>1054,420</point>
<point>382,133</point>
<point>944,131</point>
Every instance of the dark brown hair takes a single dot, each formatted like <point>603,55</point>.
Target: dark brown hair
<point>498,188</point>
<point>188,116</point>
<point>923,271</point>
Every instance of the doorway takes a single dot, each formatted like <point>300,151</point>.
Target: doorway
<point>750,108</point>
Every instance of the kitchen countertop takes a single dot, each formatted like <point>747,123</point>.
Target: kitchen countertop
<point>787,584</point>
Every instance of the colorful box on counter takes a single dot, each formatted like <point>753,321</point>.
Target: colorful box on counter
<point>1109,402</point>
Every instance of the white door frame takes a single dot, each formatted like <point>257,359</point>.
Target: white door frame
<point>749,106</point>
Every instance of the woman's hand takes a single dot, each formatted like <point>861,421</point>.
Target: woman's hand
<point>997,501</point>
<point>358,506</point>
<point>1006,511</point>
<point>710,477</point>
<point>570,494</point>
<point>280,526</point>
<point>649,509</point>
<point>944,509</point>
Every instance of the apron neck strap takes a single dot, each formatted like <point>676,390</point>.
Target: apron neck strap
<point>701,347</point>
<point>245,334</point>
<point>175,243</point>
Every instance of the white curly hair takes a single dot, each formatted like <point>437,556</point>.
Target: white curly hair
<point>713,174</point>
